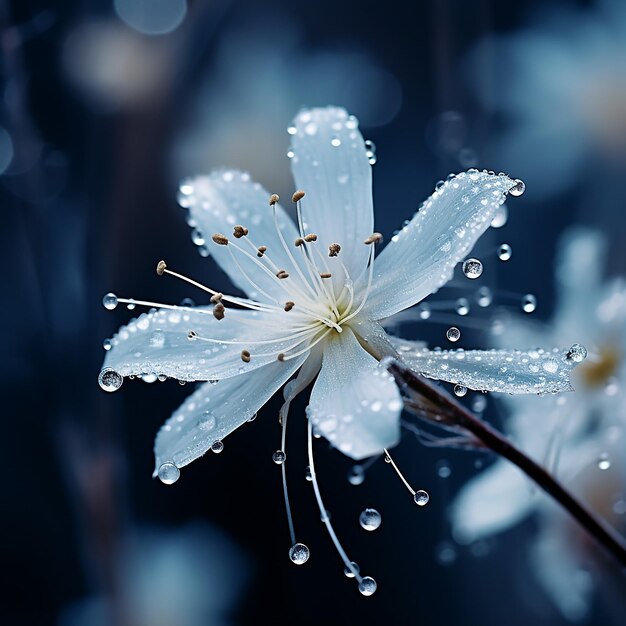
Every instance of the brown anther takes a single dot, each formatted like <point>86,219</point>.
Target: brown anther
<point>216,298</point>
<point>297,196</point>
<point>260,251</point>
<point>326,275</point>
<point>274,198</point>
<point>192,334</point>
<point>289,305</point>
<point>245,356</point>
<point>373,238</point>
<point>161,267</point>
<point>281,357</point>
<point>311,237</point>
<point>299,242</point>
<point>334,249</point>
<point>282,274</point>
<point>240,231</point>
<point>218,311</point>
<point>219,239</point>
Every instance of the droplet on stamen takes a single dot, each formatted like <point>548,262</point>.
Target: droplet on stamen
<point>279,457</point>
<point>349,572</point>
<point>367,586</point>
<point>421,498</point>
<point>109,301</point>
<point>299,554</point>
<point>370,519</point>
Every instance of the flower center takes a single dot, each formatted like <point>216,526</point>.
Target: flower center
<point>597,372</point>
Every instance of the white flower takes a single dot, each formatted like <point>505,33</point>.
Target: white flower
<point>315,295</point>
<point>581,437</point>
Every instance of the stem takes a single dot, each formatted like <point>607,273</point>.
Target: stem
<point>420,390</point>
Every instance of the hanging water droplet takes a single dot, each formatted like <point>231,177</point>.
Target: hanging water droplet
<point>577,353</point>
<point>423,310</point>
<point>370,519</point>
<point>453,334</point>
<point>529,303</point>
<point>106,344</point>
<point>462,306</point>
<point>299,553</point>
<point>250,419</point>
<point>479,403</point>
<point>501,217</point>
<point>279,457</point>
<point>110,380</point>
<point>130,305</point>
<point>484,297</point>
<point>162,378</point>
<point>325,516</point>
<point>308,475</point>
<point>197,238</point>
<point>443,469</point>
<point>421,497</point>
<point>149,378</point>
<point>207,421</point>
<point>292,130</point>
<point>519,188</point>
<point>604,462</point>
<point>350,572</point>
<point>367,586</point>
<point>472,268</point>
<point>217,446</point>
<point>505,252</point>
<point>460,391</point>
<point>109,301</point>
<point>168,473</point>
<point>356,475</point>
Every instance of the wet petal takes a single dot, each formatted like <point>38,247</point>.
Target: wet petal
<point>422,256</point>
<point>508,371</point>
<point>331,166</point>
<point>224,199</point>
<point>215,410</point>
<point>355,403</point>
<point>158,343</point>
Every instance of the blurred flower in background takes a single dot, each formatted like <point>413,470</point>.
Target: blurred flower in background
<point>580,436</point>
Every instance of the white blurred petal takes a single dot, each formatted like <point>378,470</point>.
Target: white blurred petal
<point>355,403</point>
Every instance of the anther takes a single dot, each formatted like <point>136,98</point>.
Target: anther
<point>191,335</point>
<point>217,298</point>
<point>240,231</point>
<point>373,238</point>
<point>219,239</point>
<point>260,251</point>
<point>334,249</point>
<point>297,196</point>
<point>245,356</point>
<point>299,242</point>
<point>218,311</point>
<point>311,237</point>
<point>289,305</point>
<point>274,198</point>
<point>282,274</point>
<point>326,275</point>
<point>161,267</point>
<point>281,357</point>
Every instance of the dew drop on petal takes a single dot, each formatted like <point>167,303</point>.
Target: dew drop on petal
<point>518,189</point>
<point>207,421</point>
<point>168,473</point>
<point>106,344</point>
<point>109,301</point>
<point>350,571</point>
<point>335,142</point>
<point>367,586</point>
<point>472,268</point>
<point>484,297</point>
<point>453,334</point>
<point>462,306</point>
<point>505,252</point>
<point>421,497</point>
<point>217,446</point>
<point>529,303</point>
<point>604,462</point>
<point>279,457</point>
<point>299,553</point>
<point>356,475</point>
<point>460,391</point>
<point>577,353</point>
<point>370,519</point>
<point>110,380</point>
<point>501,217</point>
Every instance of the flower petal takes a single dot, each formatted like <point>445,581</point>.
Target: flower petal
<point>422,256</point>
<point>215,410</point>
<point>508,371</point>
<point>331,166</point>
<point>224,199</point>
<point>158,343</point>
<point>355,404</point>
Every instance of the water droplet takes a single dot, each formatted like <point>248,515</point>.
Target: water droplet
<point>157,339</point>
<point>131,305</point>
<point>162,378</point>
<point>484,297</point>
<point>505,252</point>
<point>290,154</point>
<point>462,306</point>
<point>370,519</point>
<point>370,146</point>
<point>460,391</point>
<point>479,404</point>
<point>311,128</point>
<point>109,301</point>
<point>299,553</point>
<point>501,217</point>
<point>577,353</point>
<point>335,142</point>
<point>110,380</point>
<point>250,419</point>
<point>279,457</point>
<point>325,516</point>
<point>421,497</point>
<point>106,344</point>
<point>308,474</point>
<point>443,469</point>
<point>367,586</point>
<point>604,462</point>
<point>197,238</point>
<point>356,475</point>
<point>349,571</point>
<point>168,473</point>
<point>207,421</point>
<point>423,310</point>
<point>529,303</point>
<point>445,553</point>
<point>519,189</point>
<point>292,130</point>
<point>453,334</point>
<point>217,446</point>
<point>472,268</point>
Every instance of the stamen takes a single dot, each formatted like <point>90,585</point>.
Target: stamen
<point>191,335</point>
<point>395,467</point>
<point>297,196</point>
<point>325,275</point>
<point>274,198</point>
<point>299,334</point>
<point>219,239</point>
<point>289,305</point>
<point>240,231</point>
<point>216,298</point>
<point>282,274</point>
<point>299,242</point>
<point>310,237</point>
<point>373,238</point>
<point>245,356</point>
<point>333,249</point>
<point>261,250</point>
<point>161,267</point>
<point>218,311</point>
<point>281,357</point>
<point>367,290</point>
